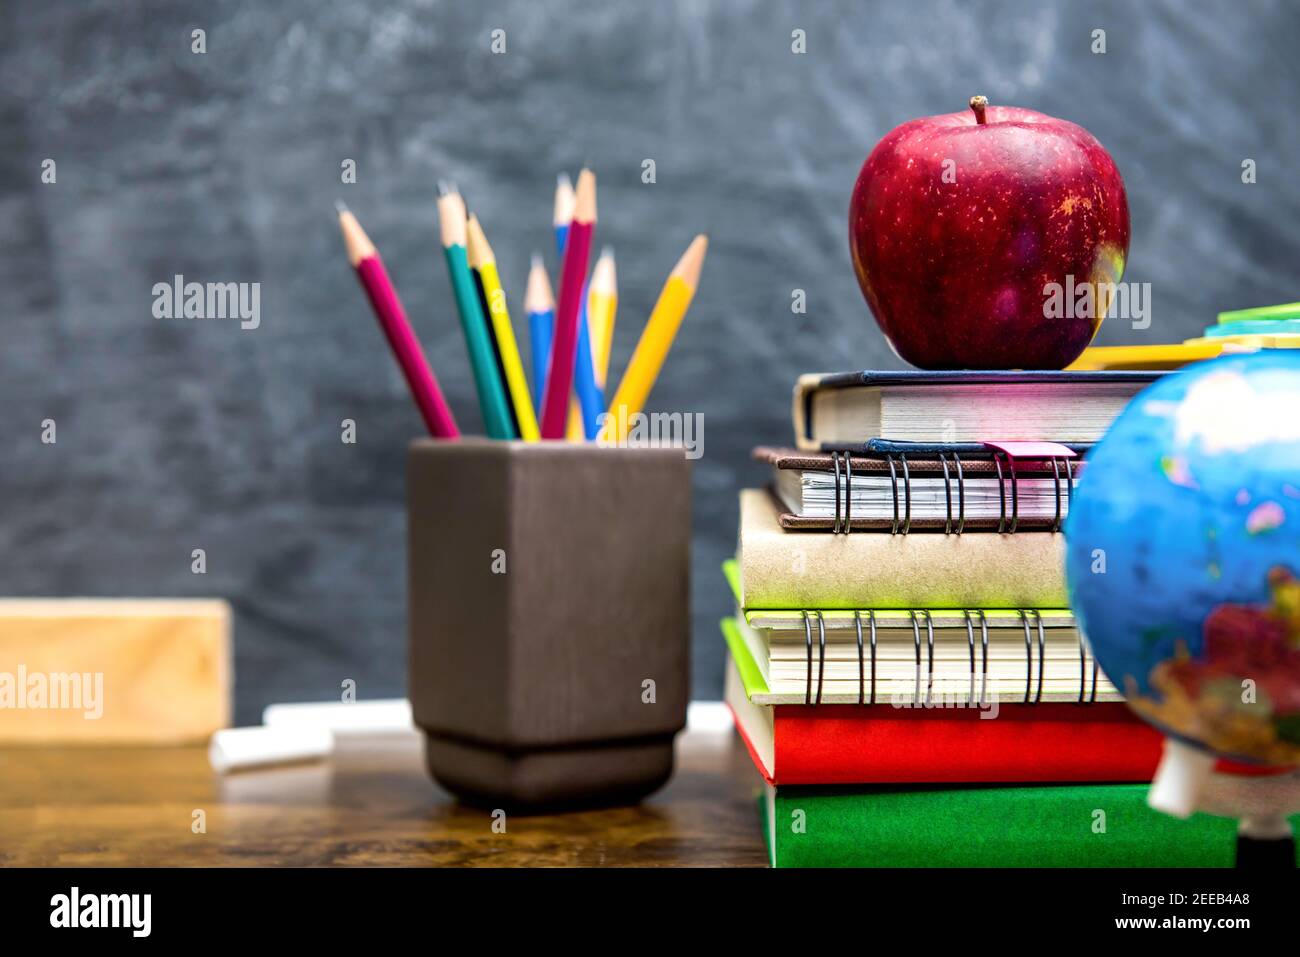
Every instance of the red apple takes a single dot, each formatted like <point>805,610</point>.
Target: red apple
<point>959,224</point>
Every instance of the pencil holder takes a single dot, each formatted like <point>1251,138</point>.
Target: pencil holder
<point>549,589</point>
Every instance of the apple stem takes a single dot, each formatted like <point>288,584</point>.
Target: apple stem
<point>978,103</point>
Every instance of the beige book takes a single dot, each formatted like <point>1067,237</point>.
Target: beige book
<point>113,671</point>
<point>815,570</point>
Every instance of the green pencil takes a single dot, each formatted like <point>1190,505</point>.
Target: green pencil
<point>487,379</point>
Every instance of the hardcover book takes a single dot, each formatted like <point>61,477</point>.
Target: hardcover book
<point>965,406</point>
<point>1073,825</point>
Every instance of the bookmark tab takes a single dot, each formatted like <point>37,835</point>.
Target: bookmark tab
<point>1031,450</point>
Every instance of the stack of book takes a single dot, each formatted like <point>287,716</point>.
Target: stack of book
<point>903,665</point>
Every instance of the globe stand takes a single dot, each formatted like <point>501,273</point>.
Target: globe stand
<point>1181,778</point>
<point>1265,842</point>
<point>1186,782</point>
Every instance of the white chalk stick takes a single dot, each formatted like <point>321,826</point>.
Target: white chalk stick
<point>380,716</point>
<point>235,748</point>
<point>708,717</point>
<point>1180,779</point>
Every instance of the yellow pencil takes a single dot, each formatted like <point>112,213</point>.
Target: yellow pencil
<point>483,261</point>
<point>602,304</point>
<point>573,427</point>
<point>656,340</point>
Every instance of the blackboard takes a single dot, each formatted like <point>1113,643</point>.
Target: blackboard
<point>224,166</point>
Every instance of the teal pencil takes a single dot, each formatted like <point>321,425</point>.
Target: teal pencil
<point>487,377</point>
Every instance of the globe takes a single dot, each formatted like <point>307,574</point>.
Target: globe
<point>1183,555</point>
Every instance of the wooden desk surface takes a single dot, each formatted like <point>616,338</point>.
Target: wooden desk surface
<point>372,804</point>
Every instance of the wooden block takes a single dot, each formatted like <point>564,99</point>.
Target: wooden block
<point>113,671</point>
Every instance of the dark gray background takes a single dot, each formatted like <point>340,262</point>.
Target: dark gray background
<point>174,435</point>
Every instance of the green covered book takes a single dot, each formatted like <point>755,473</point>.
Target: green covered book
<point>1106,825</point>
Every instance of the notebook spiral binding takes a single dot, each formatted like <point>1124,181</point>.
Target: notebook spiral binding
<point>821,656</point>
<point>1033,690</point>
<point>951,463</point>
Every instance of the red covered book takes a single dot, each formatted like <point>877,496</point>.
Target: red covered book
<point>884,744</point>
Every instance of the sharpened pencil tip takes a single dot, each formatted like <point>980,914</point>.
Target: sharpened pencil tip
<point>584,197</point>
<point>537,262</point>
<point>562,180</point>
<point>341,206</point>
<point>446,187</point>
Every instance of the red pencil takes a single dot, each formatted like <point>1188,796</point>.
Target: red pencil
<point>392,319</point>
<point>564,345</point>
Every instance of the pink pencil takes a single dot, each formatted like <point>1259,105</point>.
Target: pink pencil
<point>564,345</point>
<point>392,319</point>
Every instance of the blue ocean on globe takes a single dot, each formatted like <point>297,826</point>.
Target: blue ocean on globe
<point>1183,555</point>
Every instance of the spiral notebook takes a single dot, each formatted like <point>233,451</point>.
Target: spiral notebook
<point>784,569</point>
<point>960,741</point>
<point>915,657</point>
<point>902,487</point>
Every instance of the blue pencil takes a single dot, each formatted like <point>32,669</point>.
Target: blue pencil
<point>590,395</point>
<point>539,303</point>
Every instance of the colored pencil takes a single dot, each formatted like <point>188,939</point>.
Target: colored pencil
<point>496,349</point>
<point>540,323</point>
<point>602,305</point>
<point>591,400</point>
<point>561,220</point>
<point>588,401</point>
<point>539,303</point>
<point>563,214</point>
<point>483,260</point>
<point>573,275</point>
<point>397,330</point>
<point>491,393</point>
<point>656,340</point>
